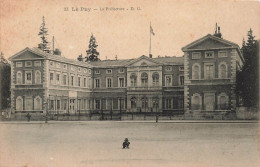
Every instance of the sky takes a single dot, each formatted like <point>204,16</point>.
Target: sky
<point>125,33</point>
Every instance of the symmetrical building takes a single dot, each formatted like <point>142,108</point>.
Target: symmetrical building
<point>203,79</point>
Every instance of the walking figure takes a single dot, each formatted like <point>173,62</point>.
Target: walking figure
<point>28,117</point>
<point>126,143</point>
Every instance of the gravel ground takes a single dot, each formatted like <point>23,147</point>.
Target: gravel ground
<point>99,143</point>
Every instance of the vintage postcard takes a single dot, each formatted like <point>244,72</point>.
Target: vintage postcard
<point>125,83</point>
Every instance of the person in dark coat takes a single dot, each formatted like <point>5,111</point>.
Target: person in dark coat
<point>28,117</point>
<point>126,143</point>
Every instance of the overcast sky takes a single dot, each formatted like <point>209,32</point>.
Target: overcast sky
<point>123,33</point>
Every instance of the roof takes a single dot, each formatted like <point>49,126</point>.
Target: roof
<point>111,63</point>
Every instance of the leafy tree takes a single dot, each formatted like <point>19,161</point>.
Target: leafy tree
<point>80,58</point>
<point>5,83</point>
<point>43,35</point>
<point>247,78</point>
<point>92,53</point>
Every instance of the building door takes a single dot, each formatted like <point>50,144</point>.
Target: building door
<point>72,105</point>
<point>209,101</point>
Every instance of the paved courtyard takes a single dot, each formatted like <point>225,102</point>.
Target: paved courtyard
<point>99,143</point>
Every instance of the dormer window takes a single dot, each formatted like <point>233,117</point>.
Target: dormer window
<point>209,54</point>
<point>109,71</point>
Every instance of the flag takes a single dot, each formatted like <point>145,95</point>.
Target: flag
<point>151,30</point>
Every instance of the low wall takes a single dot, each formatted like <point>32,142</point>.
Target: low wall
<point>247,113</point>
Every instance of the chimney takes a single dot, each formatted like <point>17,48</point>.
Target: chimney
<point>150,55</point>
<point>217,32</point>
<point>57,52</point>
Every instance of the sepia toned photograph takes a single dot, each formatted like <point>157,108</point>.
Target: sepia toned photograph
<point>119,83</point>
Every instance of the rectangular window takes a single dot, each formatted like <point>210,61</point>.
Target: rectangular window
<point>57,78</point>
<point>168,103</point>
<point>19,64</point>
<point>79,80</point>
<point>222,54</point>
<point>168,80</point>
<point>109,82</point>
<point>51,63</point>
<point>181,68</point>
<point>97,101</point>
<point>37,63</point>
<point>89,71</point>
<point>58,104</point>
<point>72,80</point>
<point>85,82</point>
<point>121,82</point>
<point>109,71</point>
<point>97,84</point>
<point>181,80</point>
<point>28,64</point>
<point>64,79</point>
<point>85,70</point>
<point>64,66</point>
<point>97,72</point>
<point>71,68</point>
<point>168,68</point>
<point>209,72</point>
<point>209,54</point>
<point>79,69</point>
<point>51,77</point>
<point>196,55</point>
<point>28,77</point>
<point>58,65</point>
<point>28,103</point>
<point>121,70</point>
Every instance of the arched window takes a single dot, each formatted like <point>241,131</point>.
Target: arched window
<point>195,71</point>
<point>133,102</point>
<point>144,102</point>
<point>133,79</point>
<point>196,102</point>
<point>144,79</point>
<point>222,101</point>
<point>19,77</point>
<point>222,71</point>
<point>37,103</point>
<point>37,77</point>
<point>19,103</point>
<point>155,78</point>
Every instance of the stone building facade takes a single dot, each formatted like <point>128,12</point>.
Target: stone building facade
<point>204,79</point>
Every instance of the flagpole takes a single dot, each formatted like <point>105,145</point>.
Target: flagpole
<point>150,40</point>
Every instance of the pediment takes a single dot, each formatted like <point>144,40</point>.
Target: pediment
<point>144,61</point>
<point>26,54</point>
<point>209,42</point>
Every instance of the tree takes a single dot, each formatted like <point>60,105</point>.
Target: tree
<point>80,58</point>
<point>92,53</point>
<point>5,83</point>
<point>247,78</point>
<point>43,35</point>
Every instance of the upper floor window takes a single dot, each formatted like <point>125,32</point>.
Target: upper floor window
<point>196,71</point>
<point>71,68</point>
<point>64,66</point>
<point>51,77</point>
<point>51,63</point>
<point>89,71</point>
<point>79,81</point>
<point>181,68</point>
<point>196,55</point>
<point>109,82</point>
<point>222,54</point>
<point>28,64</point>
<point>37,77</point>
<point>58,78</point>
<point>58,65</point>
<point>19,64</point>
<point>121,82</point>
<point>168,68</point>
<point>144,79</point>
<point>181,80</point>
<point>85,70</point>
<point>209,71</point>
<point>109,71</point>
<point>79,69</point>
<point>97,72</point>
<point>64,82</point>
<point>85,82</point>
<point>19,77</point>
<point>155,78</point>
<point>37,63</point>
<point>168,80</point>
<point>222,71</point>
<point>28,77</point>
<point>121,70</point>
<point>97,83</point>
<point>209,54</point>
<point>133,79</point>
<point>72,80</point>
